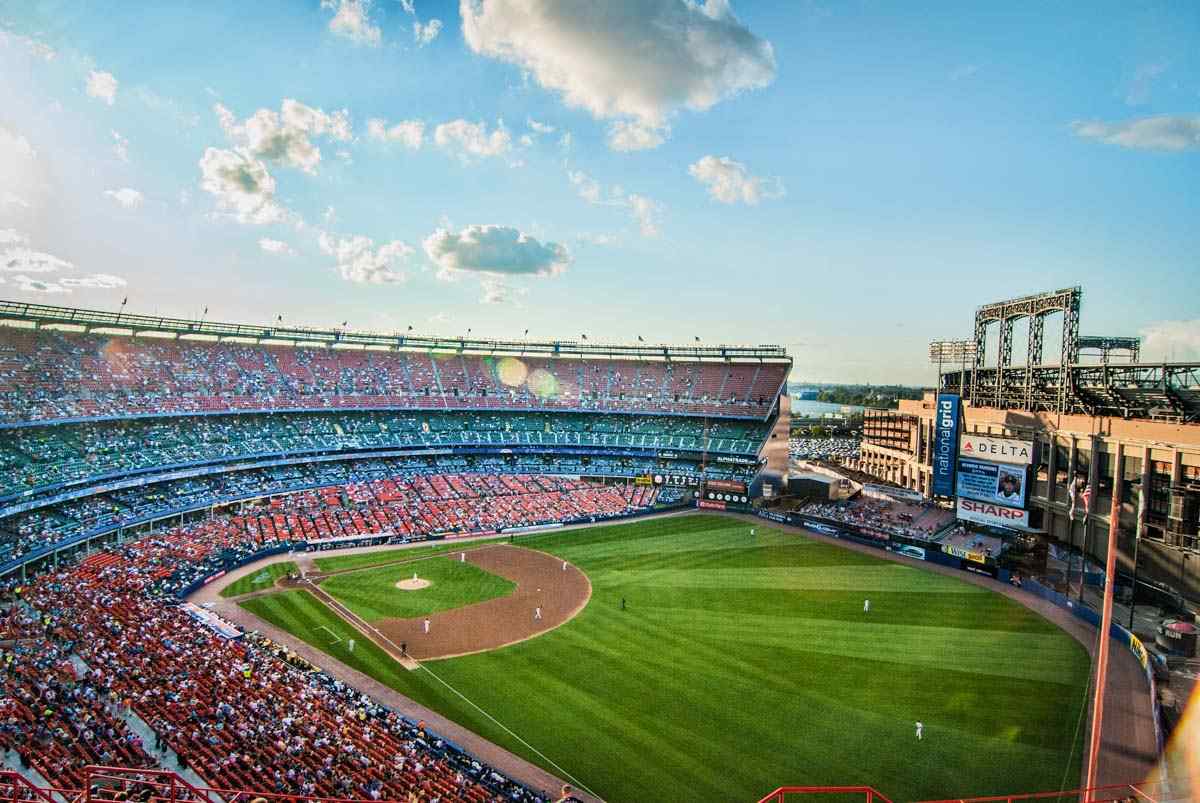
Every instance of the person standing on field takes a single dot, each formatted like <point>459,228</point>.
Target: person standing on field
<point>920,730</point>
<point>537,612</point>
<point>427,627</point>
<point>866,606</point>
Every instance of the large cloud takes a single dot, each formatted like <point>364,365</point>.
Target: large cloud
<point>1165,133</point>
<point>25,260</point>
<point>358,260</point>
<point>494,250</point>
<point>730,182</point>
<point>284,137</point>
<point>639,60</point>
<point>352,20</point>
<point>241,185</point>
<point>102,86</point>
<point>1171,340</point>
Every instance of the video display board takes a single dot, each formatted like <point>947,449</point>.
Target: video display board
<point>999,483</point>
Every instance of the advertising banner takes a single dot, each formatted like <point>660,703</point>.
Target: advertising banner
<point>909,550</point>
<point>1000,450</point>
<point>993,514</point>
<point>725,485</point>
<point>945,443</point>
<point>707,505</point>
<point>1001,483</point>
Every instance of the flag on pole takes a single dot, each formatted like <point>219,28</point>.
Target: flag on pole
<point>1087,500</point>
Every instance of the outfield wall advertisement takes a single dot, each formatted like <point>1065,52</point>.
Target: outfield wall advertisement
<point>945,443</point>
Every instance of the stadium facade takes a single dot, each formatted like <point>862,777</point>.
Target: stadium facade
<point>1088,419</point>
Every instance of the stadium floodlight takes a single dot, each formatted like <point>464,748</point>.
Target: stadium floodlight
<point>944,351</point>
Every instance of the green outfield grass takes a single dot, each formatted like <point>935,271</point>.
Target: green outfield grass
<point>361,560</point>
<point>746,663</point>
<point>263,578</point>
<point>372,593</point>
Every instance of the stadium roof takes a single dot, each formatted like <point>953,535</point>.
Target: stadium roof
<point>39,315</point>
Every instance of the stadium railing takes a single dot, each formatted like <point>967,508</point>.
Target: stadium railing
<point>867,793</point>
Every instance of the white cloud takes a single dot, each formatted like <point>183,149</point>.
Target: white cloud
<point>15,146</point>
<point>37,48</point>
<point>102,86</point>
<point>630,135</point>
<point>241,185</point>
<point>639,61</point>
<point>329,215</point>
<point>494,291</point>
<point>730,182</point>
<point>494,250</point>
<point>10,199</point>
<point>12,237</point>
<point>97,281</point>
<point>472,139</point>
<point>284,137</point>
<point>120,146</point>
<point>647,213</point>
<point>409,133</point>
<point>644,210</point>
<point>1164,133</point>
<point>24,260</point>
<point>29,284</point>
<point>358,260</point>
<point>541,128</point>
<point>277,247</point>
<point>1175,341</point>
<point>424,34</point>
<point>352,20</point>
<point>126,197</point>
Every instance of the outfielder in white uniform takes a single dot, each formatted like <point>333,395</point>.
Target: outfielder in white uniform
<point>866,606</point>
<point>920,730</point>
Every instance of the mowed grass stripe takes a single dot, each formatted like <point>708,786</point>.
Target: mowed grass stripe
<point>866,579</point>
<point>361,560</point>
<point>260,579</point>
<point>1028,656</point>
<point>373,595</point>
<point>698,693</point>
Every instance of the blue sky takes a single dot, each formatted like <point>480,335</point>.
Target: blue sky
<point>847,179</point>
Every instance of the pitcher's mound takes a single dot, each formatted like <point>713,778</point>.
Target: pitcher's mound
<point>413,584</point>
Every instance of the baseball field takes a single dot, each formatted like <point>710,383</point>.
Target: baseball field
<point>739,663</point>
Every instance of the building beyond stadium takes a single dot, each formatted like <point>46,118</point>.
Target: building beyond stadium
<point>1086,418</point>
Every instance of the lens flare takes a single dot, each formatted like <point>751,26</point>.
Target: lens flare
<point>512,372</point>
<point>543,384</point>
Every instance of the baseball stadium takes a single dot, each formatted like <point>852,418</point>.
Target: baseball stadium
<point>326,564</point>
<point>560,401</point>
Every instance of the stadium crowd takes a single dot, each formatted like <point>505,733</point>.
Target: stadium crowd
<point>410,504</point>
<point>105,642</point>
<point>881,519</point>
<point>45,457</point>
<point>46,374</point>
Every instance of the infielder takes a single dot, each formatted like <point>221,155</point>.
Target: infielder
<point>537,612</point>
<point>426,626</point>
